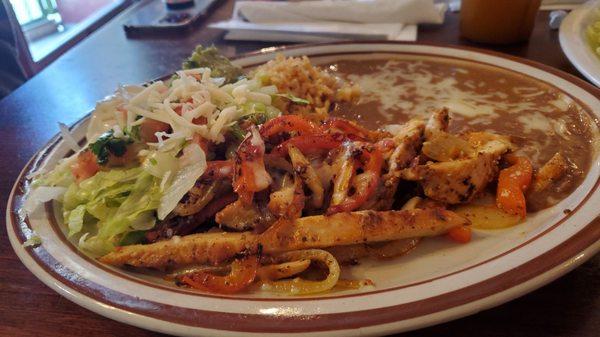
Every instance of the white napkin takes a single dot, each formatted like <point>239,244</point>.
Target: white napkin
<point>360,11</point>
<point>560,4</point>
<point>330,20</point>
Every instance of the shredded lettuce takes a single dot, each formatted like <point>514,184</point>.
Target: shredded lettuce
<point>210,98</point>
<point>159,163</point>
<point>34,240</point>
<point>294,99</point>
<point>109,205</point>
<point>75,220</point>
<point>60,176</point>
<point>40,195</point>
<point>49,186</point>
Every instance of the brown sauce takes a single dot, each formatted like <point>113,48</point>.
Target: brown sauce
<point>539,118</point>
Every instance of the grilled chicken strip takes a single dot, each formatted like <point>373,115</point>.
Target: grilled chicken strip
<point>438,122</point>
<point>408,142</point>
<point>201,248</point>
<point>318,231</point>
<point>378,250</point>
<point>552,171</point>
<point>239,216</point>
<point>407,145</point>
<point>459,181</point>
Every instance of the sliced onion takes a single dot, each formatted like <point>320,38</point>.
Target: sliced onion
<point>40,195</point>
<point>390,249</point>
<point>144,221</point>
<point>353,284</point>
<point>308,174</point>
<point>36,173</point>
<point>178,273</point>
<point>299,286</point>
<point>183,181</point>
<point>274,272</point>
<point>192,154</point>
<point>68,138</point>
<point>380,250</point>
<point>411,203</point>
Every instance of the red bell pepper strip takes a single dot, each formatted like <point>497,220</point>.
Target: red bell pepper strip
<point>309,144</point>
<point>250,174</point>
<point>512,184</point>
<point>350,129</point>
<point>243,273</point>
<point>373,163</point>
<point>287,123</point>
<point>461,234</point>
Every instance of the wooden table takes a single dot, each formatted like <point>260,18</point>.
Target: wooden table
<point>69,87</point>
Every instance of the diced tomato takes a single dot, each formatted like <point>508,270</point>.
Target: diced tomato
<point>287,123</point>
<point>85,166</point>
<point>244,184</point>
<point>200,120</point>
<point>243,273</point>
<point>460,234</point>
<point>202,142</point>
<point>512,184</point>
<point>250,174</point>
<point>150,127</point>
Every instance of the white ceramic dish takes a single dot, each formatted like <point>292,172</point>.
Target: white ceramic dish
<point>574,42</point>
<point>444,281</point>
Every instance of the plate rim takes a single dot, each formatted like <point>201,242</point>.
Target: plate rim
<point>569,29</point>
<point>554,271</point>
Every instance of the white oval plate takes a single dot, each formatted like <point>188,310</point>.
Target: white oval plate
<point>574,42</point>
<point>436,283</point>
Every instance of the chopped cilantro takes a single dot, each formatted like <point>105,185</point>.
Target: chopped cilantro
<point>108,144</point>
<point>237,132</point>
<point>294,99</point>
<point>134,132</point>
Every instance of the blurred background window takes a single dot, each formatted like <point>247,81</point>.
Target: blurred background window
<point>49,25</point>
<point>29,12</point>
